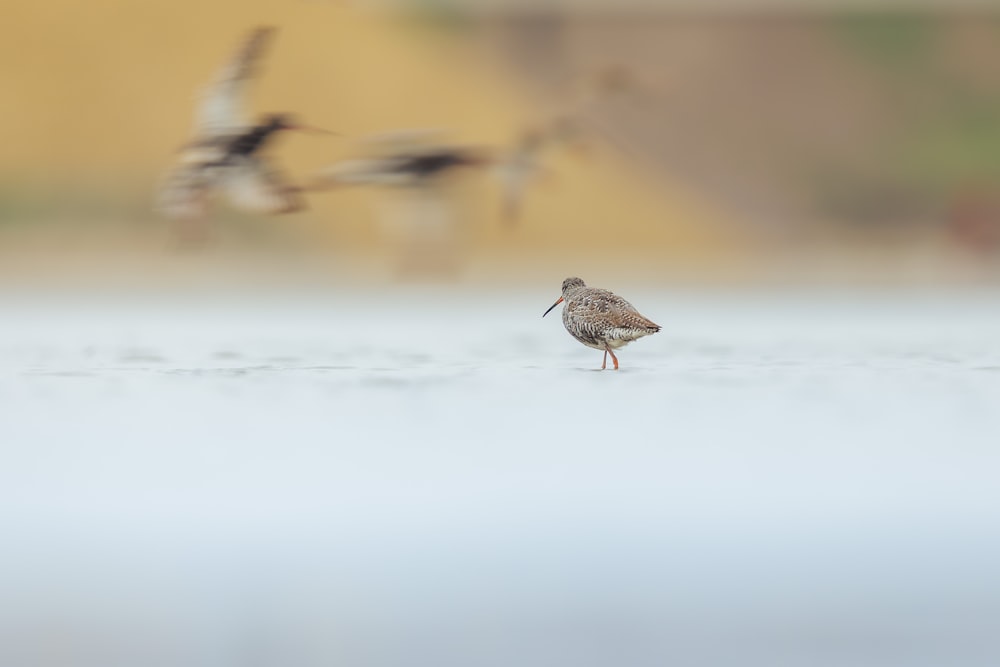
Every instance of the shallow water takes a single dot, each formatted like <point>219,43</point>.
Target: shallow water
<point>445,478</point>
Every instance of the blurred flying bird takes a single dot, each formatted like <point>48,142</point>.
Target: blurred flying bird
<point>225,151</point>
<point>413,171</point>
<point>590,105</point>
<point>573,127</point>
<point>523,164</point>
<point>600,319</point>
<point>401,159</point>
<point>420,214</point>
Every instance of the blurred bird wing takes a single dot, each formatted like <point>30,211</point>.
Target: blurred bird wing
<point>184,193</point>
<point>223,104</point>
<point>252,184</point>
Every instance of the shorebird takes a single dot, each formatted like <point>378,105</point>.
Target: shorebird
<point>601,319</point>
<point>225,151</point>
<point>418,208</point>
<point>523,164</point>
<point>413,170</point>
<point>401,159</point>
<point>573,127</point>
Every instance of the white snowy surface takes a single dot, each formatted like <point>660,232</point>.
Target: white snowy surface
<point>438,477</point>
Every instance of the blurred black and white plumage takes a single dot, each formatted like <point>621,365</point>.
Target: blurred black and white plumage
<point>225,151</point>
<point>402,159</point>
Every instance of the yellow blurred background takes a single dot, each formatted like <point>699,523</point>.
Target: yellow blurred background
<point>776,145</point>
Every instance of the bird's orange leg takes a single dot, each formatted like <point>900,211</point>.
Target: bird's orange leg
<point>613,357</point>
<point>604,362</point>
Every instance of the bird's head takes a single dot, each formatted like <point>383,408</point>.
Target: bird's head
<point>569,286</point>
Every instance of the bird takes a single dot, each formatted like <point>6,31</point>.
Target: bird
<point>401,159</point>
<point>523,163</point>
<point>420,203</point>
<point>413,170</point>
<point>573,128</point>
<point>601,319</point>
<point>225,151</point>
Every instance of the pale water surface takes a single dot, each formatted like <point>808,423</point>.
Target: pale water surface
<point>439,477</point>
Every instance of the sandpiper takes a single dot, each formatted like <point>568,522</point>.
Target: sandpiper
<point>225,150</point>
<point>601,319</point>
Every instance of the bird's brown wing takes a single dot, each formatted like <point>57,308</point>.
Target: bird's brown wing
<point>222,106</point>
<point>253,184</point>
<point>621,314</point>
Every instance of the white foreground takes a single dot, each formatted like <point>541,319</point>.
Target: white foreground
<point>444,478</point>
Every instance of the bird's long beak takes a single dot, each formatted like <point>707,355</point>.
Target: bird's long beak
<point>552,306</point>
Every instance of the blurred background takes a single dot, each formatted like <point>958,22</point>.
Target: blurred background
<point>345,436</point>
<point>753,144</point>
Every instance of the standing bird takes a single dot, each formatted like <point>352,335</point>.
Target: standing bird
<point>600,319</point>
<point>225,151</point>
